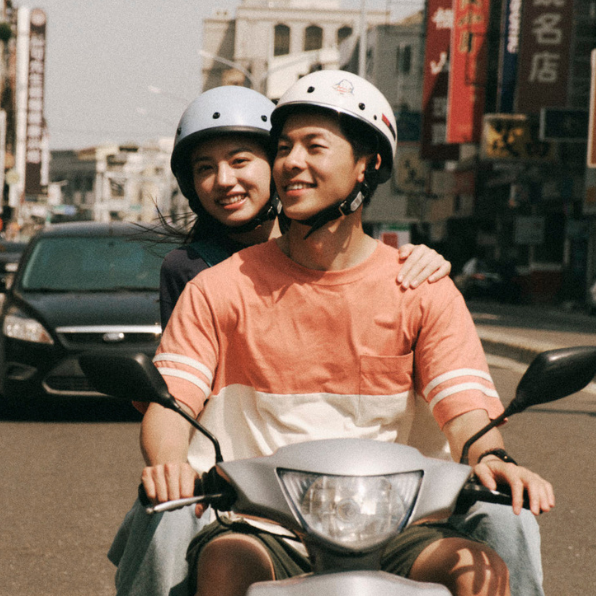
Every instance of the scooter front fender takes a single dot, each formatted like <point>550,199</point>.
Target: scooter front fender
<point>347,583</point>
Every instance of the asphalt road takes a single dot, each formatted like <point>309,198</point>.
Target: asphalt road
<point>68,479</point>
<point>66,483</point>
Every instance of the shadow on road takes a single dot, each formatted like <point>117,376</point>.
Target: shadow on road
<point>72,410</point>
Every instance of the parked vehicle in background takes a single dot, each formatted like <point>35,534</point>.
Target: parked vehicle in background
<point>488,280</point>
<point>10,254</point>
<point>79,286</point>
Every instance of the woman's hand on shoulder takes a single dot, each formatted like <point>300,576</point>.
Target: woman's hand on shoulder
<point>421,263</point>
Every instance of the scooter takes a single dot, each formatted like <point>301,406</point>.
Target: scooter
<point>344,499</point>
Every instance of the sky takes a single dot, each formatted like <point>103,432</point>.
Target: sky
<point>103,56</point>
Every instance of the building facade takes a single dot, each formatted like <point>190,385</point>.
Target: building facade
<point>269,44</point>
<point>113,182</point>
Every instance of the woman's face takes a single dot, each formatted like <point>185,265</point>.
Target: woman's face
<point>314,166</point>
<point>231,178</point>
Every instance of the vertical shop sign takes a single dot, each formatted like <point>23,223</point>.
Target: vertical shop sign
<point>436,81</point>
<point>591,161</point>
<point>35,102</point>
<point>467,77</point>
<point>510,32</point>
<point>544,54</point>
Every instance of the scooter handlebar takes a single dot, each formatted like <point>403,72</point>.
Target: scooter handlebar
<point>473,491</point>
<point>211,488</point>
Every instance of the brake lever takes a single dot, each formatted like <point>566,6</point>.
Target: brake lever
<point>180,503</point>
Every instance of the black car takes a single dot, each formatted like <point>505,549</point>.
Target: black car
<point>79,286</point>
<point>10,254</point>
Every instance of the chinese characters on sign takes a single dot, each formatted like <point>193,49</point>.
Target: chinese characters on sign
<point>510,29</point>
<point>436,80</point>
<point>35,103</point>
<point>544,55</point>
<point>468,70</point>
<point>512,137</point>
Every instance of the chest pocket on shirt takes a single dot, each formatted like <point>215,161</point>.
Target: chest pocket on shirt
<point>386,375</point>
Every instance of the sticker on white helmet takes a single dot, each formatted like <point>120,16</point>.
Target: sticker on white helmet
<point>344,87</point>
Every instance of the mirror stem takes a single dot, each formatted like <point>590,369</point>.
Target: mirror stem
<point>464,459</point>
<point>172,404</point>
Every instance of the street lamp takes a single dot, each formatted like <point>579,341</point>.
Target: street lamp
<point>260,83</point>
<point>159,91</point>
<point>147,114</point>
<point>231,64</point>
<point>363,41</point>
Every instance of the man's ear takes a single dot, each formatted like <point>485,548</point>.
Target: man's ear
<point>370,162</point>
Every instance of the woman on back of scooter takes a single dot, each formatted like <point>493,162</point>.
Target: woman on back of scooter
<point>220,160</point>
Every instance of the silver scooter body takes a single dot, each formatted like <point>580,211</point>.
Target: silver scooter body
<point>266,487</point>
<point>261,492</point>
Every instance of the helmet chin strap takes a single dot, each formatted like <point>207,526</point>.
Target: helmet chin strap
<point>335,211</point>
<point>349,205</point>
<point>270,211</point>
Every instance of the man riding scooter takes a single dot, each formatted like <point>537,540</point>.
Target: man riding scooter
<point>308,337</point>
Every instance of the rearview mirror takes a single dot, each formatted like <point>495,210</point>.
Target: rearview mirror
<point>128,376</point>
<point>553,375</point>
<point>133,376</point>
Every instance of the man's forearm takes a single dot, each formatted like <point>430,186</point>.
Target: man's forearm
<point>164,436</point>
<point>460,429</point>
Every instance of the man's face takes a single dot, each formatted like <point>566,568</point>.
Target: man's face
<point>314,166</point>
<point>231,178</point>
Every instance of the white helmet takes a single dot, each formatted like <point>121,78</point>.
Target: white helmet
<point>219,111</point>
<point>345,92</point>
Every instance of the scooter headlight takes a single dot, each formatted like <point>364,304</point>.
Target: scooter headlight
<point>354,512</point>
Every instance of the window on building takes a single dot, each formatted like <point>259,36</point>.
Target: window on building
<point>281,45</point>
<point>343,33</point>
<point>313,38</point>
<point>404,59</point>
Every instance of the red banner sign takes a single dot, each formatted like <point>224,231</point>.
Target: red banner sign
<point>436,81</point>
<point>544,54</point>
<point>467,77</point>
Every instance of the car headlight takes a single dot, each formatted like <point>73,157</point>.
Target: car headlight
<point>18,326</point>
<point>353,512</point>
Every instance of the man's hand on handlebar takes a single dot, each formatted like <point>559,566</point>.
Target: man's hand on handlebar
<point>169,482</point>
<point>492,471</point>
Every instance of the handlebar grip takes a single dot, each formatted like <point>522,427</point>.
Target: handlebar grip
<point>142,495</point>
<point>210,484</point>
<point>473,492</point>
<point>146,502</point>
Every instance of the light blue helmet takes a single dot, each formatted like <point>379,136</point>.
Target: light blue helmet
<point>219,111</point>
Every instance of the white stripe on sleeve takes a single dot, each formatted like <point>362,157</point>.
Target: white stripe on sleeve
<point>185,360</point>
<point>181,374</point>
<point>462,387</point>
<point>452,374</point>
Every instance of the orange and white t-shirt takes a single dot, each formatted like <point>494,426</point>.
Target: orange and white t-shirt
<point>270,353</point>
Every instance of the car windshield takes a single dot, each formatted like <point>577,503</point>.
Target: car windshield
<point>94,264</point>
